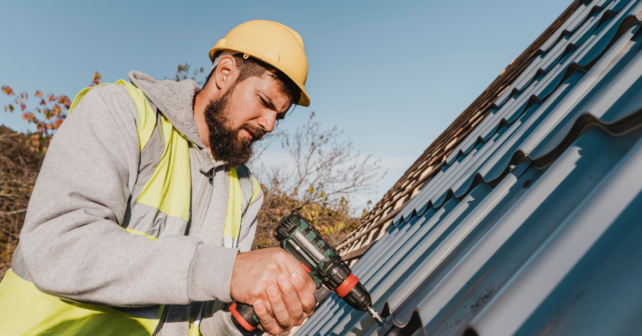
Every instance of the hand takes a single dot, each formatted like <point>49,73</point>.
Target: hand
<point>280,290</point>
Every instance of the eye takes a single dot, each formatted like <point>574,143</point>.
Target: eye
<point>280,116</point>
<point>264,102</point>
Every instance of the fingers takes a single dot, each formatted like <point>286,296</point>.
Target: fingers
<point>306,296</point>
<point>294,266</point>
<point>279,310</point>
<point>291,299</point>
<point>265,318</point>
<point>279,304</point>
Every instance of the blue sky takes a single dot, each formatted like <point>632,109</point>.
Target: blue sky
<point>393,75</point>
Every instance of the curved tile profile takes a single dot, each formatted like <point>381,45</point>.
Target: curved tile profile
<point>524,104</point>
<point>532,225</point>
<point>445,294</point>
<point>432,160</point>
<point>615,36</point>
<point>542,66</point>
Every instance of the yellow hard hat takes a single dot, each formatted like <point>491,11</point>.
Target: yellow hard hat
<point>272,43</point>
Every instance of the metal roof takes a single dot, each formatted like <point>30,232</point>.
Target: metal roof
<point>529,227</point>
<point>434,157</point>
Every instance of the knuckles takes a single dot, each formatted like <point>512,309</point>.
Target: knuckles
<point>273,268</point>
<point>309,303</point>
<point>286,289</point>
<point>283,257</point>
<point>285,325</point>
<point>308,307</point>
<point>296,312</point>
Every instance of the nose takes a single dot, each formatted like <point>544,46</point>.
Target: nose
<point>267,121</point>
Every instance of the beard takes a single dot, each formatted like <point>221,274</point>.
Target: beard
<point>224,142</point>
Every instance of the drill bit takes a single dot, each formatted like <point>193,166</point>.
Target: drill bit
<point>375,315</point>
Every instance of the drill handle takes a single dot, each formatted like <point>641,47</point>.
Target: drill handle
<point>243,316</point>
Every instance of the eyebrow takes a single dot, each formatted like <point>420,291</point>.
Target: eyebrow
<point>270,102</point>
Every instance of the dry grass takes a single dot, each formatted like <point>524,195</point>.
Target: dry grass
<point>19,166</point>
<point>333,220</point>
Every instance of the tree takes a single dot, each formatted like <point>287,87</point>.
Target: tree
<point>48,115</point>
<point>323,174</point>
<point>182,73</point>
<point>20,160</point>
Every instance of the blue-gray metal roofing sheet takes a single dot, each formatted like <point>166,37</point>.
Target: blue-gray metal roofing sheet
<point>530,227</point>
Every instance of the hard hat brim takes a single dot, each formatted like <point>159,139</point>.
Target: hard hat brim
<point>303,101</point>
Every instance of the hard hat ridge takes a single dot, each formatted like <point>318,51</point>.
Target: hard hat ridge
<point>273,43</point>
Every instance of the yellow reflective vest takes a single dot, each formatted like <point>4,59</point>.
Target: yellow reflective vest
<point>159,205</point>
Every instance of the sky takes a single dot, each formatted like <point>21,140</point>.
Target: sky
<point>393,75</point>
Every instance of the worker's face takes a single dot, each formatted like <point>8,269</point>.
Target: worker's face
<point>242,116</point>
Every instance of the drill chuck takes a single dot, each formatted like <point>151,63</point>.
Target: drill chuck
<point>358,297</point>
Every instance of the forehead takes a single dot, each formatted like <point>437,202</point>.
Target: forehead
<point>268,83</point>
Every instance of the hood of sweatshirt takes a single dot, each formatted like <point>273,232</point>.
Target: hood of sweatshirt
<point>174,99</point>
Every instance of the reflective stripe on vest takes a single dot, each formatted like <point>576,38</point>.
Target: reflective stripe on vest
<point>160,205</point>
<point>236,205</point>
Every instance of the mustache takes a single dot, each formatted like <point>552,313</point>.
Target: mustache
<point>257,132</point>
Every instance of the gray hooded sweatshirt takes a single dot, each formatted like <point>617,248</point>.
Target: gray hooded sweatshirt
<point>72,244</point>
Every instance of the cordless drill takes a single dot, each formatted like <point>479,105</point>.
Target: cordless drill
<point>323,264</point>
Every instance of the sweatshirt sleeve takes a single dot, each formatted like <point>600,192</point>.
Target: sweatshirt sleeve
<point>72,243</point>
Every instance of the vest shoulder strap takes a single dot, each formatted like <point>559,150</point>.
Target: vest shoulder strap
<point>146,121</point>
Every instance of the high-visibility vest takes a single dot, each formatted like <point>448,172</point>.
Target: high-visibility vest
<point>160,205</point>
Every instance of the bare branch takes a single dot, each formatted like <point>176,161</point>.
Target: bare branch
<point>324,172</point>
<point>9,213</point>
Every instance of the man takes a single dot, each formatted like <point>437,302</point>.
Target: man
<point>143,215</point>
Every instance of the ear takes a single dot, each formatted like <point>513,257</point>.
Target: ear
<point>226,72</point>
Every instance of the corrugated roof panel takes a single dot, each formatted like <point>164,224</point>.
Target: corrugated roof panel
<point>608,34</point>
<point>433,159</point>
<point>580,14</point>
<point>540,67</point>
<point>530,226</point>
<point>604,178</point>
<point>545,62</point>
